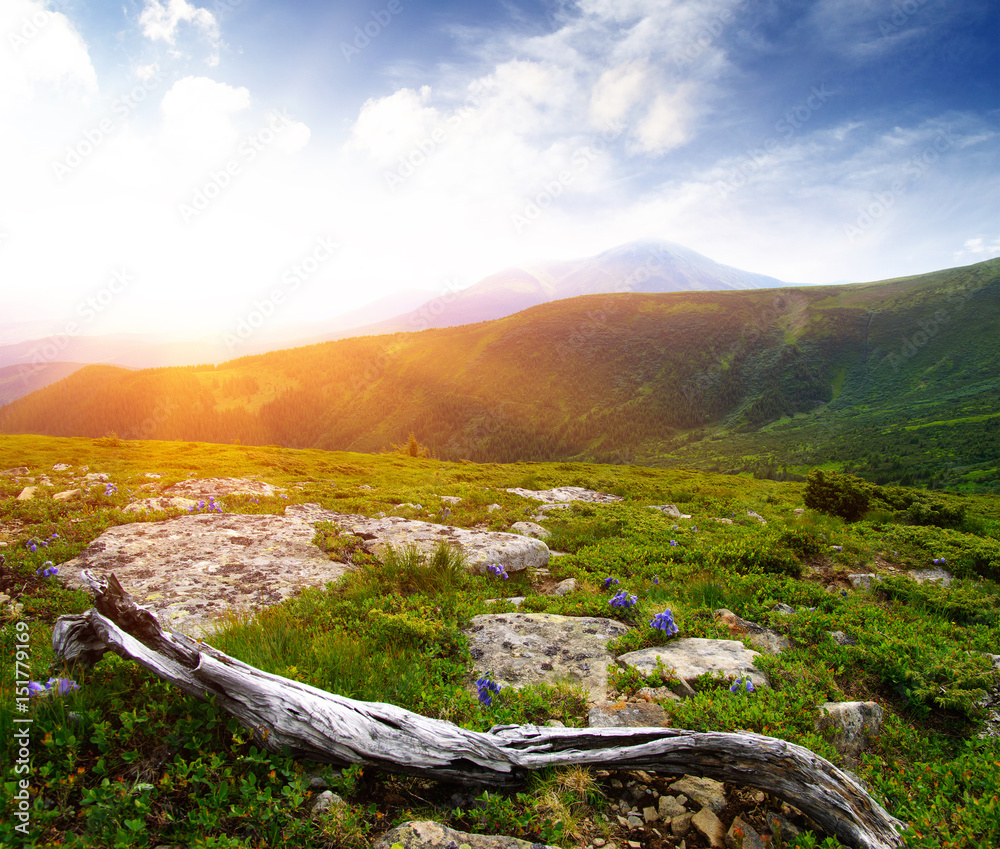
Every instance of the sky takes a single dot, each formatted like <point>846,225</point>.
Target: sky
<point>180,166</point>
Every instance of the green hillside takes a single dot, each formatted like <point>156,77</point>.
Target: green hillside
<point>127,761</point>
<point>898,381</point>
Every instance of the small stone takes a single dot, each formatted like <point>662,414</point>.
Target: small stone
<point>27,493</point>
<point>599,842</point>
<point>756,516</point>
<point>706,792</point>
<point>670,807</point>
<point>565,587</point>
<point>324,801</point>
<point>679,826</point>
<point>635,822</point>
<point>842,639</point>
<point>634,844</point>
<point>530,529</point>
<point>863,580</point>
<point>742,835</point>
<point>711,827</point>
<point>658,694</point>
<point>68,495</point>
<point>650,815</point>
<point>670,510</point>
<point>61,467</point>
<point>492,508</point>
<point>780,827</point>
<point>783,610</point>
<point>850,726</point>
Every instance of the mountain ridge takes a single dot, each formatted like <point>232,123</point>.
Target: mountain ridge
<point>641,266</point>
<point>862,375</point>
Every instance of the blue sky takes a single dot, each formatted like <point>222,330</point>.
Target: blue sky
<point>166,165</point>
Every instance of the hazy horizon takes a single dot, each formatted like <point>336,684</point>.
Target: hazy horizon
<point>173,163</point>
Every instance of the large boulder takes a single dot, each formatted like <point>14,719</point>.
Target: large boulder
<point>695,656</point>
<point>534,648</point>
<point>626,715</point>
<point>512,551</point>
<point>565,495</point>
<point>199,488</point>
<point>189,570</point>
<point>165,503</point>
<point>427,834</point>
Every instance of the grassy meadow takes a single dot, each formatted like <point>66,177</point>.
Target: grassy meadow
<point>127,761</point>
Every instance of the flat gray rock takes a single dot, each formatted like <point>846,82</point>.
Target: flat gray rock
<point>565,494</point>
<point>694,656</point>
<point>934,576</point>
<point>533,648</point>
<point>530,529</point>
<point>670,510</point>
<point>188,570</point>
<point>626,715</point>
<point>512,551</point>
<point>164,502</point>
<point>198,488</point>
<point>863,580</point>
<point>432,835</point>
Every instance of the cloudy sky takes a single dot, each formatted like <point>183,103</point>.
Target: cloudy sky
<point>168,164</point>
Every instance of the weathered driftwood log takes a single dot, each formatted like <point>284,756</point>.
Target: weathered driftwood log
<point>319,726</point>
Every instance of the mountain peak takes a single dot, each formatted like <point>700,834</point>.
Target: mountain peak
<point>648,265</point>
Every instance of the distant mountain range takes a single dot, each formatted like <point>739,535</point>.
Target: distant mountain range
<point>636,267</point>
<point>17,381</point>
<point>898,380</point>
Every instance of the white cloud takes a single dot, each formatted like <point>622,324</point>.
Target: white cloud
<point>979,248</point>
<point>387,127</point>
<point>160,23</point>
<point>163,23</point>
<point>198,115</point>
<point>616,91</point>
<point>41,48</point>
<point>669,122</point>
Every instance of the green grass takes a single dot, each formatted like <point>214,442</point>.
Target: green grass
<point>127,761</point>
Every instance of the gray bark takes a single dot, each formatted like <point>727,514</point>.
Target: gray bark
<point>319,726</point>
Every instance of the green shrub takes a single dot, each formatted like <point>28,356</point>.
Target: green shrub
<point>756,552</point>
<point>839,495</point>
